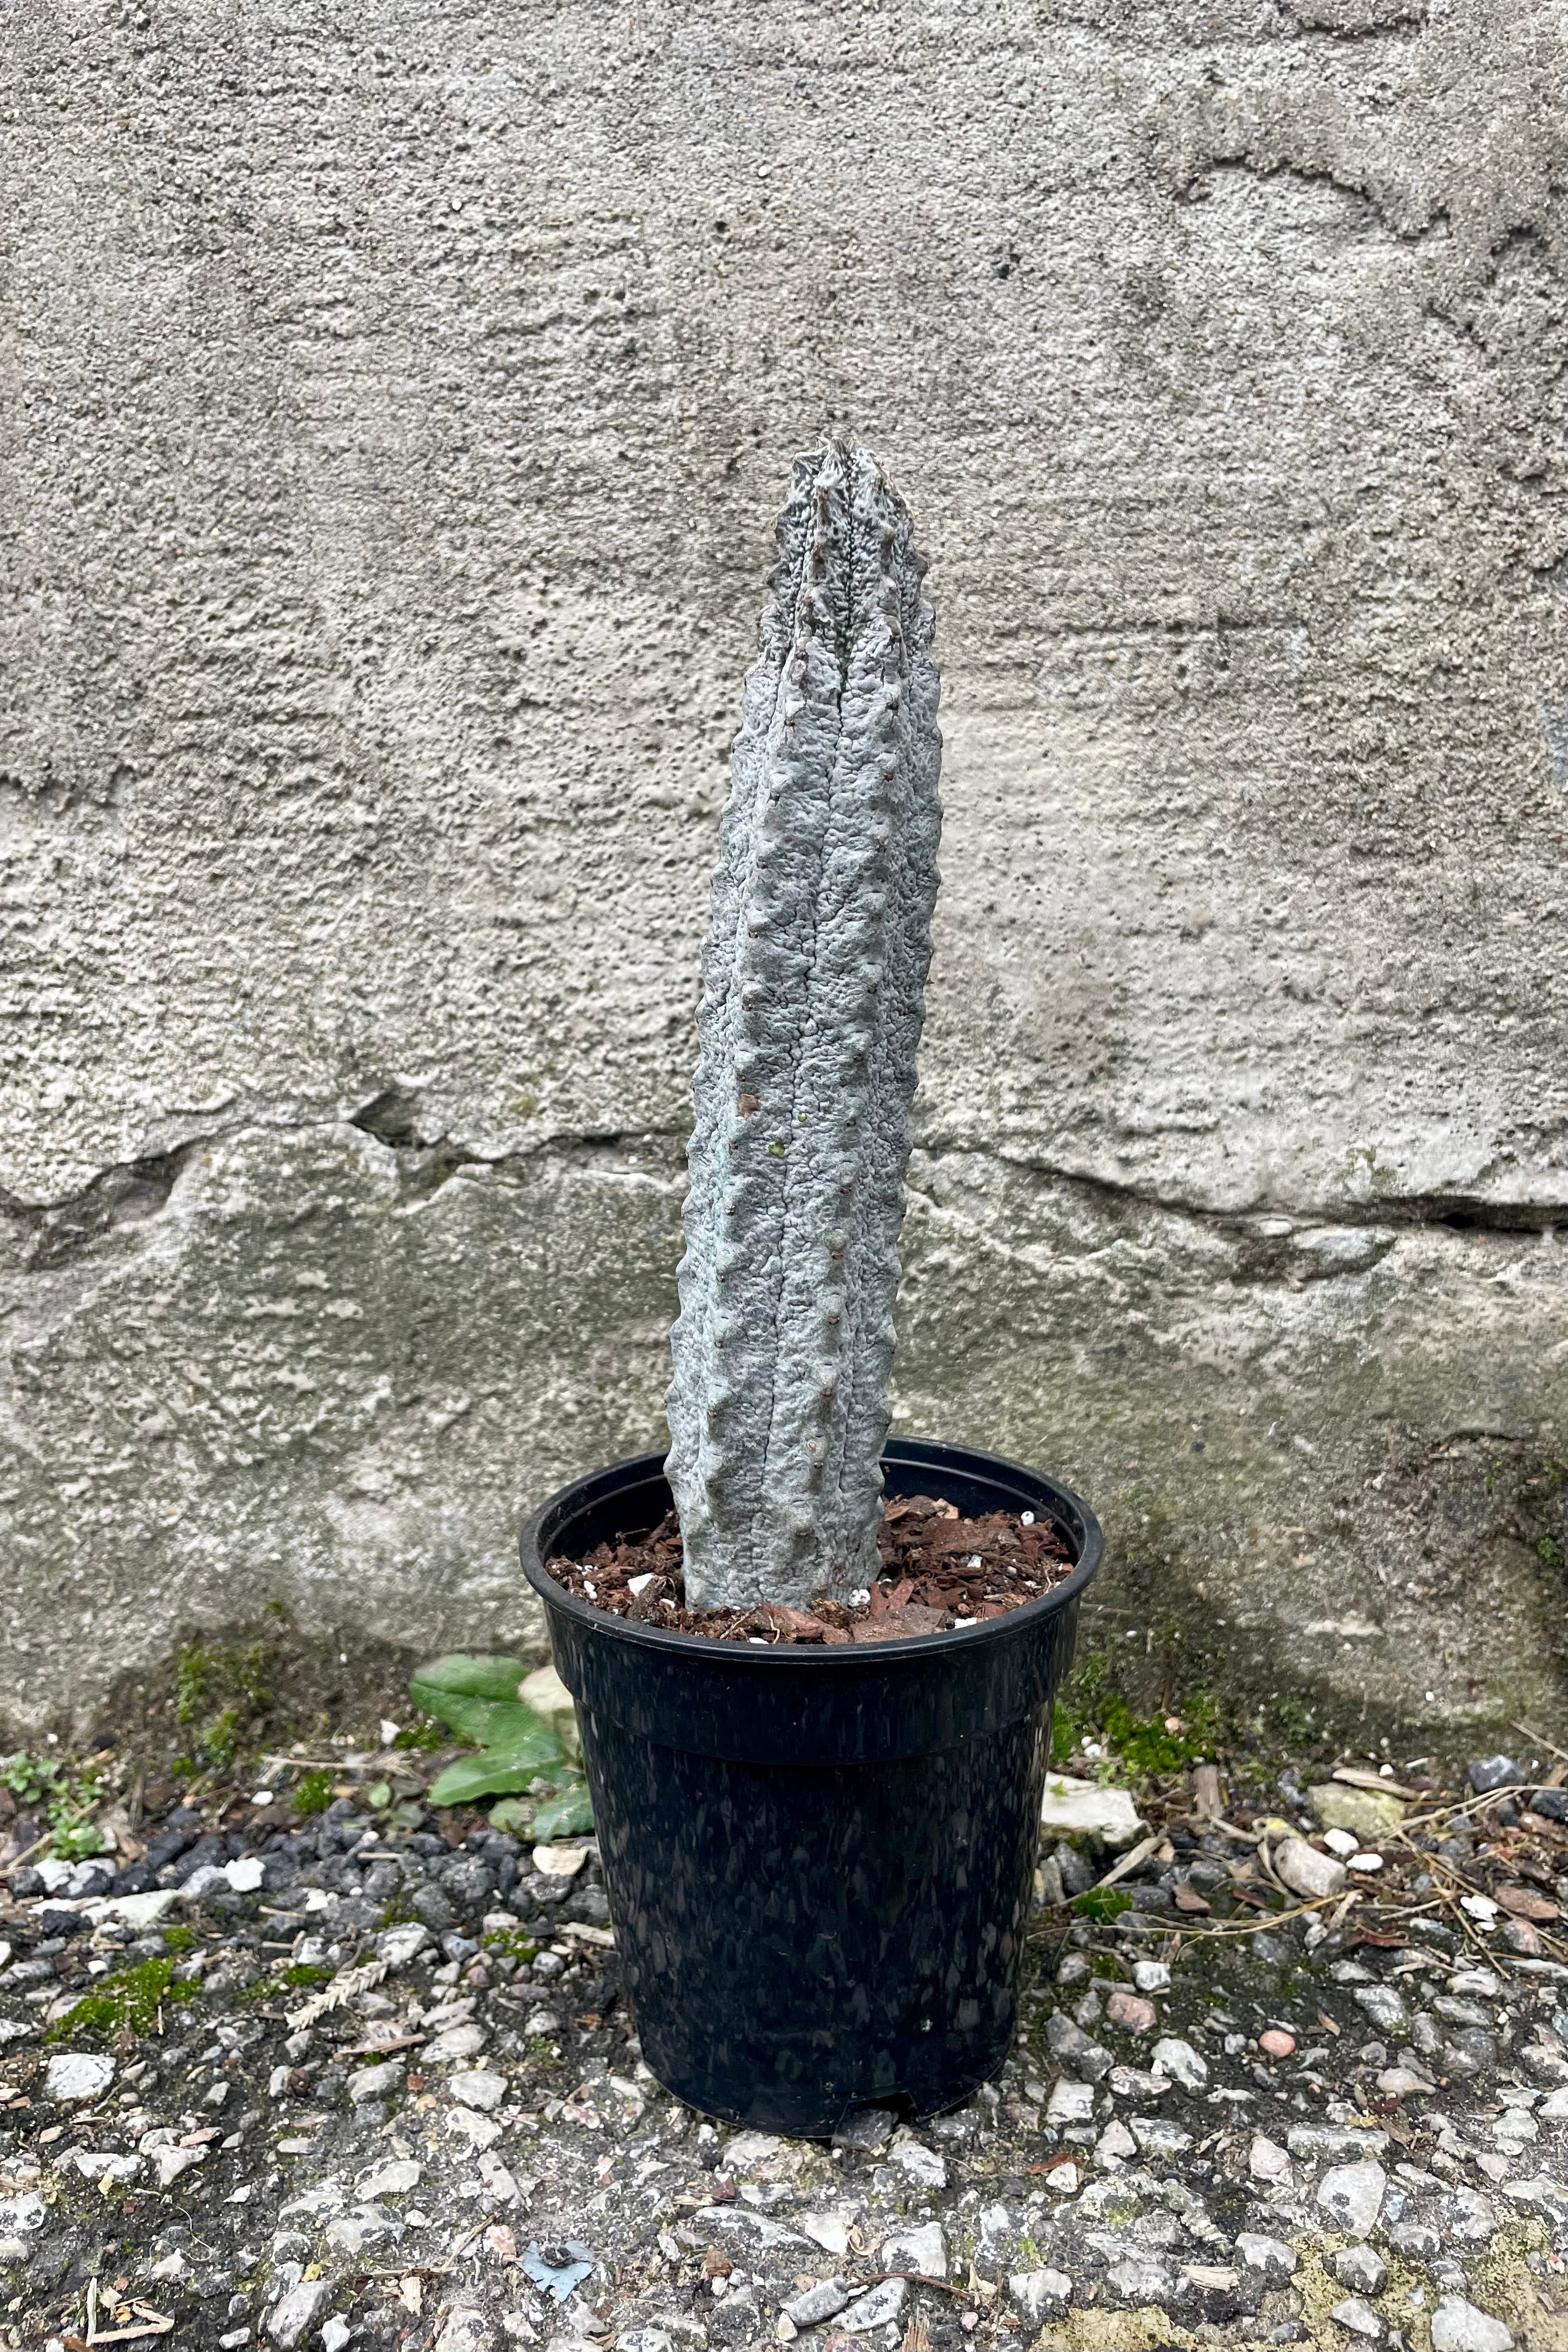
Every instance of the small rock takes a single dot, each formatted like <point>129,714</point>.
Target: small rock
<point>502,2187</point>
<point>1351,2194</point>
<point>479,2131</point>
<point>1358,2317</point>
<point>1367,1816</point>
<point>1313,2142</point>
<point>1126,2083</point>
<point>1416,2240</point>
<point>482,2090</point>
<point>335,2334</point>
<point>922,2164</point>
<point>1271,2258</point>
<point>883,2304</point>
<point>1181,2063</point>
<point>923,2249</point>
<point>1305,1871</point>
<point>295,2312</point>
<point>1156,2136</point>
<point>1085,1809</point>
<point>1269,2162</point>
<point>1401,2083</point>
<point>1277,2043</point>
<point>1139,2279</point>
<point>1459,2326</point>
<point>466,2330</point>
<point>398,1946</point>
<point>1070,2102</point>
<point>1548,2196</point>
<point>643,2339</point>
<point>541,2021</point>
<point>350,2233</point>
<point>246,1874</point>
<point>465,2040</point>
<point>1072,2045</point>
<point>98,2165</point>
<point>822,2301</point>
<point>559,1861</point>
<point>1115,2144</point>
<point>435,1908</point>
<point>1128,2011</point>
<point>742,2154</point>
<point>1063,2179</point>
<point>1552,1804</point>
<point>393,2179</point>
<point>79,2075</point>
<point>376,2081</point>
<point>203,1881</point>
<point>1384,2006</point>
<point>170,2162</point>
<point>866,2128</point>
<point>1489,1772</point>
<point>1150,1976</point>
<point>1472,2221</point>
<point>1040,2295</point>
<point>1360,2269</point>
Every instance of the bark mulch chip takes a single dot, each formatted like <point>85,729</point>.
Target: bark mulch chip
<point>939,1572</point>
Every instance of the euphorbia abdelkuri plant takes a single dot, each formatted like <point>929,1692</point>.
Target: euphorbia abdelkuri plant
<point>813,982</point>
<point>814,987</point>
<point>817,1832</point>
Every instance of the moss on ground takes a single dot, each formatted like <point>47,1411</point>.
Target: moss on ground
<point>126,2003</point>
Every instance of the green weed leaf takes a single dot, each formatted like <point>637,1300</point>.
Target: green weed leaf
<point>464,1677</point>
<point>568,1815</point>
<point>492,1773</point>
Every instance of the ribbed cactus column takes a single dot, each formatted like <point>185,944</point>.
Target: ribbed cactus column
<point>813,998</point>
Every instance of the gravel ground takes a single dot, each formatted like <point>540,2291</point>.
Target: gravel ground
<point>363,2077</point>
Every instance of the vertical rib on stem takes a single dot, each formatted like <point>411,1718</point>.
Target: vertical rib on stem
<point>813,998</point>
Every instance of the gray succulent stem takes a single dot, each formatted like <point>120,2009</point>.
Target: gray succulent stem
<point>813,998</point>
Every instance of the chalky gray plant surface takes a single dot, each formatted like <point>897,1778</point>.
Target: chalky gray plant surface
<point>814,992</point>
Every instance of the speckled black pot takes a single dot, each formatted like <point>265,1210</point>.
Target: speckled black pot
<point>819,1862</point>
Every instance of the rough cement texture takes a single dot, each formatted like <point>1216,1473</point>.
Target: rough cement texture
<point>813,998</point>
<point>395,407</point>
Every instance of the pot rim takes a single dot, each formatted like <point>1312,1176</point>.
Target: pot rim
<point>813,1656</point>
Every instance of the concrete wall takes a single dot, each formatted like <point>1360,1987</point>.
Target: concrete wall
<point>395,402</point>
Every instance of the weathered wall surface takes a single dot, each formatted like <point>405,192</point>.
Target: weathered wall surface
<point>394,405</point>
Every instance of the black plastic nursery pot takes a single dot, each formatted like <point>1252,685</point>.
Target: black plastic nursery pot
<point>820,1861</point>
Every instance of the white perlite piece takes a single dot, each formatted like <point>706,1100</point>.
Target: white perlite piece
<point>813,999</point>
